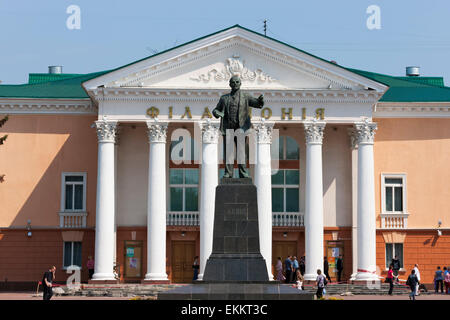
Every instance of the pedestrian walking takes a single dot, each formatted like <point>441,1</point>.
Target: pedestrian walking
<point>288,269</point>
<point>321,282</point>
<point>326,268</point>
<point>447,281</point>
<point>195,267</point>
<point>412,283</point>
<point>390,279</point>
<point>47,282</point>
<point>90,266</point>
<point>339,267</point>
<point>279,270</point>
<point>438,280</point>
<point>417,272</point>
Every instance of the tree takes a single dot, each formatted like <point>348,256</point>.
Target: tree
<point>2,140</point>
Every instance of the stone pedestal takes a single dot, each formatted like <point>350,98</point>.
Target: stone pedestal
<point>236,255</point>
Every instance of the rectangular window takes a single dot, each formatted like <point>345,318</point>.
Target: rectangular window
<point>394,193</point>
<point>183,189</point>
<point>73,192</point>
<point>72,254</point>
<point>394,250</point>
<point>285,191</point>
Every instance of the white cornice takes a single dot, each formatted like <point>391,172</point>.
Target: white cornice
<point>412,110</point>
<point>47,106</point>
<point>315,96</point>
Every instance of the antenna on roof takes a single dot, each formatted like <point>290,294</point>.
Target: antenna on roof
<point>265,27</point>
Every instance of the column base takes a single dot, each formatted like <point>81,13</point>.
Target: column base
<point>156,277</point>
<point>200,277</point>
<point>310,277</point>
<point>145,281</point>
<point>92,281</point>
<point>365,276</point>
<point>103,277</point>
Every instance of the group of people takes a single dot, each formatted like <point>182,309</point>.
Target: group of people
<point>293,269</point>
<point>441,278</point>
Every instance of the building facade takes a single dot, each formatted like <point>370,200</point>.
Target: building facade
<point>122,165</point>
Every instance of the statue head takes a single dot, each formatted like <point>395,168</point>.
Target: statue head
<point>235,82</point>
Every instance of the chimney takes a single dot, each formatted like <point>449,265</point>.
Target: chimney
<point>54,69</point>
<point>412,71</point>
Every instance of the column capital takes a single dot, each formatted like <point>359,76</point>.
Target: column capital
<point>264,131</point>
<point>314,131</point>
<point>365,131</point>
<point>106,130</point>
<point>157,131</point>
<point>210,131</point>
<point>352,133</point>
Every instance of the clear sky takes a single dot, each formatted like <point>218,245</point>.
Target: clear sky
<point>34,34</point>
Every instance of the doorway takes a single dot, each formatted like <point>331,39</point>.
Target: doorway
<point>183,253</point>
<point>282,249</point>
<point>334,249</point>
<point>133,260</point>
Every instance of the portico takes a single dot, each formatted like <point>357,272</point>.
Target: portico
<point>307,99</point>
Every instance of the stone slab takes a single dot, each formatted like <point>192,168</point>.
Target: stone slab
<point>236,291</point>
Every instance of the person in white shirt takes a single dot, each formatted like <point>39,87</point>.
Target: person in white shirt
<point>416,269</point>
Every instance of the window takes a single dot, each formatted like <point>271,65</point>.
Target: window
<point>73,192</point>
<point>394,193</point>
<point>72,254</point>
<point>285,191</point>
<point>394,250</point>
<point>287,148</point>
<point>183,189</point>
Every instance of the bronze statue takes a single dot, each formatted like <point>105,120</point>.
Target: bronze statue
<point>233,111</point>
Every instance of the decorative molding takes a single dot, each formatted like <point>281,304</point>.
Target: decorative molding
<point>47,106</point>
<point>210,132</point>
<point>264,131</point>
<point>353,138</point>
<point>365,131</point>
<point>314,132</point>
<point>412,110</point>
<point>106,130</point>
<point>157,131</point>
<point>234,66</point>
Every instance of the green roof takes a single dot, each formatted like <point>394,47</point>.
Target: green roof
<point>69,86</point>
<point>46,77</point>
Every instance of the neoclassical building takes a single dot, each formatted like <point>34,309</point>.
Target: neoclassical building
<point>122,164</point>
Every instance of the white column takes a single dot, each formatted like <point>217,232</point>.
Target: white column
<point>104,226</point>
<point>263,182</point>
<point>156,203</point>
<point>313,199</point>
<point>209,181</point>
<point>366,202</point>
<point>354,155</point>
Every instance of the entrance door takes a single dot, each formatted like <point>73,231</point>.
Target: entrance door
<point>183,253</point>
<point>133,260</point>
<point>334,249</point>
<point>283,249</point>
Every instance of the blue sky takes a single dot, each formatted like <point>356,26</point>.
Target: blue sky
<point>113,33</point>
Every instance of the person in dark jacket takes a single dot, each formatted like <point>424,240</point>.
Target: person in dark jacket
<point>326,268</point>
<point>396,266</point>
<point>301,265</point>
<point>47,283</point>
<point>412,283</point>
<point>339,267</point>
<point>288,269</point>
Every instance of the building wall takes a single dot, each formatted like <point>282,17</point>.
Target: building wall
<point>421,149</point>
<point>38,149</point>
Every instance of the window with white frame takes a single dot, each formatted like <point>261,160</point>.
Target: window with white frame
<point>394,250</point>
<point>72,254</point>
<point>287,148</point>
<point>393,193</point>
<point>73,191</point>
<point>183,189</point>
<point>285,191</point>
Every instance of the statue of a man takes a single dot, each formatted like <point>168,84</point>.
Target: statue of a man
<point>233,109</point>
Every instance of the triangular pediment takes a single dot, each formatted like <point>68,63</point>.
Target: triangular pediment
<point>208,63</point>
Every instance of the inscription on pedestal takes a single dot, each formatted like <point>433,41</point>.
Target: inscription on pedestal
<point>236,211</point>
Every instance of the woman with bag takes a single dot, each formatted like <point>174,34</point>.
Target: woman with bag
<point>279,269</point>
